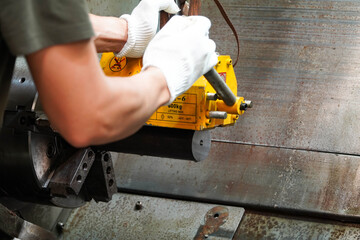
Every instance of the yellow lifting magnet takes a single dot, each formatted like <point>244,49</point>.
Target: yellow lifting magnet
<point>199,108</point>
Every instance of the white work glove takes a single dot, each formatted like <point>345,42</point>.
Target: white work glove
<point>183,51</point>
<point>142,25</point>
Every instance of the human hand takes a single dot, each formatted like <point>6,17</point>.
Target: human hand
<point>183,51</point>
<point>142,25</point>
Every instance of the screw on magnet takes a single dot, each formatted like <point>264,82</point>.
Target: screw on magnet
<point>249,103</point>
<point>212,96</point>
<point>245,105</point>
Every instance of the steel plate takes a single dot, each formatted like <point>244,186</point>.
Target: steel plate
<point>139,217</point>
<point>299,64</point>
<point>263,177</point>
<point>298,148</point>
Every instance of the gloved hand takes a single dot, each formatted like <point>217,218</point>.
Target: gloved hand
<point>183,51</point>
<point>142,25</point>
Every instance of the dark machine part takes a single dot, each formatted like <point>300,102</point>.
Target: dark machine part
<point>69,176</point>
<point>15,227</point>
<point>100,183</point>
<point>38,165</point>
<point>165,142</point>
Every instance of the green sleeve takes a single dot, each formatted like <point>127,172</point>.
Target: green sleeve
<point>30,25</point>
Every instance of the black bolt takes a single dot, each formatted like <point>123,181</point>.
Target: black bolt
<point>42,122</point>
<point>22,120</point>
<point>138,206</point>
<point>51,150</point>
<point>243,106</point>
<point>60,226</point>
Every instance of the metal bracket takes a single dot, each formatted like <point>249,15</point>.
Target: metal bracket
<point>214,219</point>
<point>70,176</point>
<point>100,183</point>
<point>20,120</point>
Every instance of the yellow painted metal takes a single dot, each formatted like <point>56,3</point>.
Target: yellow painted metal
<point>121,67</point>
<point>190,110</point>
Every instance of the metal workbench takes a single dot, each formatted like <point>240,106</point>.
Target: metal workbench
<point>293,161</point>
<point>297,151</point>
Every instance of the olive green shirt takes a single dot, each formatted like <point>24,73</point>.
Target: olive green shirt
<point>27,26</point>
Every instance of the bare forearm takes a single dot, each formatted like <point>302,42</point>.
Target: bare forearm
<point>84,105</point>
<point>138,97</point>
<point>111,33</point>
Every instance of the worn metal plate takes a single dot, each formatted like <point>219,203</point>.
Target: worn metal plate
<point>299,63</point>
<point>257,226</point>
<point>292,180</point>
<point>154,218</point>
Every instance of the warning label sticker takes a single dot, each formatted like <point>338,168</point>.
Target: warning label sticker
<point>175,118</point>
<point>117,64</point>
<point>183,109</point>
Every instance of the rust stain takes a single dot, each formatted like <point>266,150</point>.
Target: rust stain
<point>214,219</point>
<point>266,226</point>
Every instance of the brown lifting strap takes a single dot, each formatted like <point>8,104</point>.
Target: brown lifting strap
<point>195,10</point>
<point>228,21</point>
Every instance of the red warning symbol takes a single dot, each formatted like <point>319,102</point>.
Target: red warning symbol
<point>117,64</point>
<point>223,75</point>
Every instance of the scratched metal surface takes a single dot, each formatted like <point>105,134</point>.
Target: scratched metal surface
<point>159,218</point>
<point>256,226</point>
<point>251,176</point>
<point>299,63</point>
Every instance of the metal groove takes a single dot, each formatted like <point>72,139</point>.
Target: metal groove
<point>318,216</point>
<point>286,148</point>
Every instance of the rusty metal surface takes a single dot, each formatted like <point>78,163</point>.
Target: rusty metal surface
<point>139,217</point>
<point>257,226</point>
<point>214,219</point>
<point>299,64</point>
<point>274,178</point>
